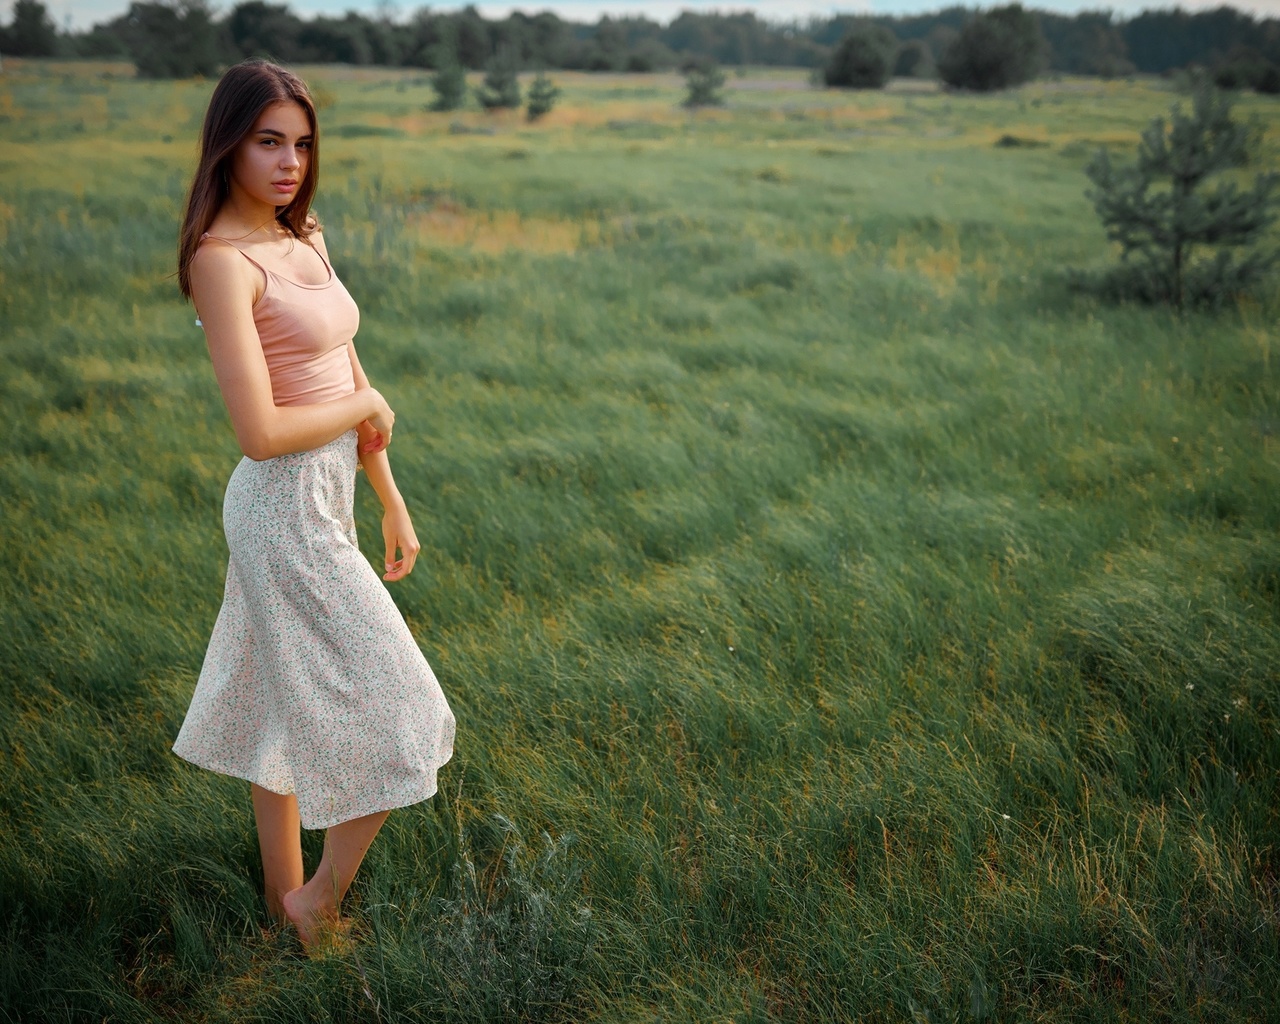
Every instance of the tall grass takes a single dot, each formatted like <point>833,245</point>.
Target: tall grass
<point>843,621</point>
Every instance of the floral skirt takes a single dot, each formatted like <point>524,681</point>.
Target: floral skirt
<point>312,683</point>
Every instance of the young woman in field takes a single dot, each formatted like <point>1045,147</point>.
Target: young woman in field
<point>312,687</point>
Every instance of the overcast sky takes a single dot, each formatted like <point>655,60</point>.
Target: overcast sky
<point>83,13</point>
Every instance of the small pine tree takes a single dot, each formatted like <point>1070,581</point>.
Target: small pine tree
<point>543,94</point>
<point>501,86</point>
<point>1181,243</point>
<point>703,82</point>
<point>863,59</point>
<point>449,83</point>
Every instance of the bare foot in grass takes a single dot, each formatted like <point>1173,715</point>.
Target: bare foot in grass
<point>317,924</point>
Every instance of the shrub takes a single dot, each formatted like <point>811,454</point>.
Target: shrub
<point>996,49</point>
<point>703,82</point>
<point>1179,243</point>
<point>863,59</point>
<point>501,86</point>
<point>543,94</point>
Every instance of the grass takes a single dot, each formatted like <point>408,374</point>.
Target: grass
<point>844,622</point>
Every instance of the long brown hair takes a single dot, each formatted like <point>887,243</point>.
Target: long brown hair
<point>243,92</point>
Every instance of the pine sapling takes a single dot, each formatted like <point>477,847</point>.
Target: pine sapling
<point>1182,242</point>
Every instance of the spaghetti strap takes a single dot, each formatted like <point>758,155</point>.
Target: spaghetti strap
<point>272,273</point>
<point>227,241</point>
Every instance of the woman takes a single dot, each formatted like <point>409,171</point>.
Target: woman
<point>312,687</point>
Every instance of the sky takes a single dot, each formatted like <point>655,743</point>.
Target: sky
<point>81,14</point>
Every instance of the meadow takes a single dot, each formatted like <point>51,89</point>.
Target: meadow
<point>845,621</point>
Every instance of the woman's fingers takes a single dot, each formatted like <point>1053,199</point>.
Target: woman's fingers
<point>377,443</point>
<point>398,568</point>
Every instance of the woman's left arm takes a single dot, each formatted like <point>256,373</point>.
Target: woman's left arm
<point>397,527</point>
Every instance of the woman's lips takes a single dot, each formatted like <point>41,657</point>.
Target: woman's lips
<point>284,186</point>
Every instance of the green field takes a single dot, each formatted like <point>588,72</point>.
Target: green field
<point>844,620</point>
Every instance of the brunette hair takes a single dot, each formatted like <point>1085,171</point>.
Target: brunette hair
<point>243,92</point>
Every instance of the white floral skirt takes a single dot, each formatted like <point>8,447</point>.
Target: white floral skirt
<point>312,683</point>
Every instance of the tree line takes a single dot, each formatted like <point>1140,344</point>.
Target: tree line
<point>176,38</point>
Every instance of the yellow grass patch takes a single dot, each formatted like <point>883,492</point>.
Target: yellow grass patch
<point>497,231</point>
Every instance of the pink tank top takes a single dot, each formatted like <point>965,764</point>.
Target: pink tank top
<point>304,330</point>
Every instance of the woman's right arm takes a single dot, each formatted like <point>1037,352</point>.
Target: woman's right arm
<point>223,292</point>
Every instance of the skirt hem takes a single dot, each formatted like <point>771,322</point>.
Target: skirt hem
<point>391,803</point>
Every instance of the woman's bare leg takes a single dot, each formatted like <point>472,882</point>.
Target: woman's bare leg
<point>280,840</point>
<point>313,908</point>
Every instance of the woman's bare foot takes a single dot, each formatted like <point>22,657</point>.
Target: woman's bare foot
<point>317,924</point>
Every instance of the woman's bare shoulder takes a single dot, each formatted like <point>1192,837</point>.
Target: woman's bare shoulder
<point>220,267</point>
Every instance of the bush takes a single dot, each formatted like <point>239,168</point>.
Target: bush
<point>996,49</point>
<point>703,82</point>
<point>863,59</point>
<point>1180,244</point>
<point>543,94</point>
<point>501,86</point>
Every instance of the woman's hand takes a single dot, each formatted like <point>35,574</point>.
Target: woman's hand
<point>397,531</point>
<point>368,440</point>
<point>375,432</point>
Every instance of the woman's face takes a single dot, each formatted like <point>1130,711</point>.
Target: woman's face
<point>272,161</point>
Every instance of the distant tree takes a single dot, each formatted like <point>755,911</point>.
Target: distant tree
<point>501,87</point>
<point>649,55</point>
<point>1180,243</point>
<point>543,94</point>
<point>914,60</point>
<point>258,29</point>
<point>996,49</point>
<point>703,81</point>
<point>1161,40</point>
<point>940,38</point>
<point>1090,43</point>
<point>608,48</point>
<point>100,42</point>
<point>472,38</point>
<point>334,41</point>
<point>172,40</point>
<point>1242,68</point>
<point>551,39</point>
<point>32,32</point>
<point>863,59</point>
<point>449,83</point>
